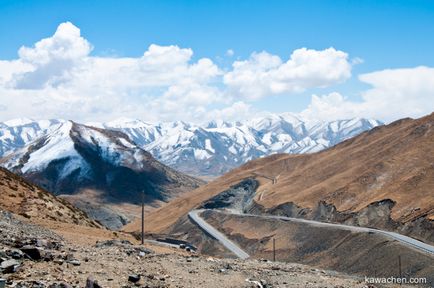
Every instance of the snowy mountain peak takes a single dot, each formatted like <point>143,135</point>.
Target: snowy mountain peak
<point>73,158</point>
<point>211,149</point>
<point>18,122</point>
<point>124,122</point>
<point>219,124</point>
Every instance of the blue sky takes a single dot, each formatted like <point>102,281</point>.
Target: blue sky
<point>376,35</point>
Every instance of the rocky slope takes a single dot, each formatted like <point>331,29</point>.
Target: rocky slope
<point>120,263</point>
<point>36,204</point>
<point>210,149</point>
<point>381,178</point>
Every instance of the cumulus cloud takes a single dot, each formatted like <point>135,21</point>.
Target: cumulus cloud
<point>58,77</point>
<point>395,93</point>
<point>265,74</point>
<point>52,59</point>
<point>236,112</point>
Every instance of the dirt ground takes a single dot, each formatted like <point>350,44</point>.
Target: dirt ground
<point>70,257</point>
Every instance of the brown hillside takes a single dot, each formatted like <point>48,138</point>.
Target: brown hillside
<point>394,163</point>
<point>20,197</point>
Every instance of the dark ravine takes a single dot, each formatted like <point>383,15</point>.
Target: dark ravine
<point>238,198</point>
<point>103,213</point>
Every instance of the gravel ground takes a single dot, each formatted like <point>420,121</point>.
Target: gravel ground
<point>119,263</point>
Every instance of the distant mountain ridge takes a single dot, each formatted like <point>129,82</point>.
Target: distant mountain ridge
<point>382,178</point>
<point>210,149</point>
<point>97,168</point>
<point>95,158</point>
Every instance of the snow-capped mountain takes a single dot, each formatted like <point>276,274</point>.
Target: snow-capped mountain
<point>17,133</point>
<point>218,146</point>
<point>211,149</point>
<point>93,158</point>
<point>96,167</point>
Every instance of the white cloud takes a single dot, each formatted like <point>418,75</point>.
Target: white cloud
<point>265,74</point>
<point>58,77</point>
<point>66,43</point>
<point>52,59</point>
<point>395,93</point>
<point>230,52</point>
<point>332,106</point>
<point>236,112</point>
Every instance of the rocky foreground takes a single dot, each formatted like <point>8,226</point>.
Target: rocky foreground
<point>32,256</point>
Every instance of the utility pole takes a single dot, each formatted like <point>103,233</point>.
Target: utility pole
<point>400,271</point>
<point>143,216</point>
<point>274,249</point>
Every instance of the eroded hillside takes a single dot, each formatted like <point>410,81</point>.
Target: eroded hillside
<point>382,178</point>
<point>34,203</point>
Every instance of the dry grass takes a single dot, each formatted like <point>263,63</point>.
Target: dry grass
<point>32,202</point>
<point>390,162</point>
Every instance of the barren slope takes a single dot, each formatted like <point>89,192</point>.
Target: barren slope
<point>388,170</point>
<point>34,203</point>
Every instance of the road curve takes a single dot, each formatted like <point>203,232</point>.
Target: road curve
<point>419,245</point>
<point>194,216</point>
<point>408,241</point>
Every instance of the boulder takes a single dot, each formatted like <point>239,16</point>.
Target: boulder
<point>15,253</point>
<point>33,252</point>
<point>9,266</point>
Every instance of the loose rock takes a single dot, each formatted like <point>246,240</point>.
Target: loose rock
<point>134,278</point>
<point>9,266</point>
<point>92,283</point>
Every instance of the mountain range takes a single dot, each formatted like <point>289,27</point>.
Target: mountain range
<point>381,178</point>
<point>99,167</point>
<point>207,150</point>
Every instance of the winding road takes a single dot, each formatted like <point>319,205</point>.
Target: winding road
<point>231,246</point>
<point>194,215</point>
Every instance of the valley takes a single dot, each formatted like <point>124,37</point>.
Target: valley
<point>331,210</point>
<point>345,184</point>
<point>220,144</point>
<point>39,251</point>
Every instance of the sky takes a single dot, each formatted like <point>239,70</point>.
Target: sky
<point>203,60</point>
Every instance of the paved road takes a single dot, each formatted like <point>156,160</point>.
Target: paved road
<point>396,236</point>
<point>194,215</point>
